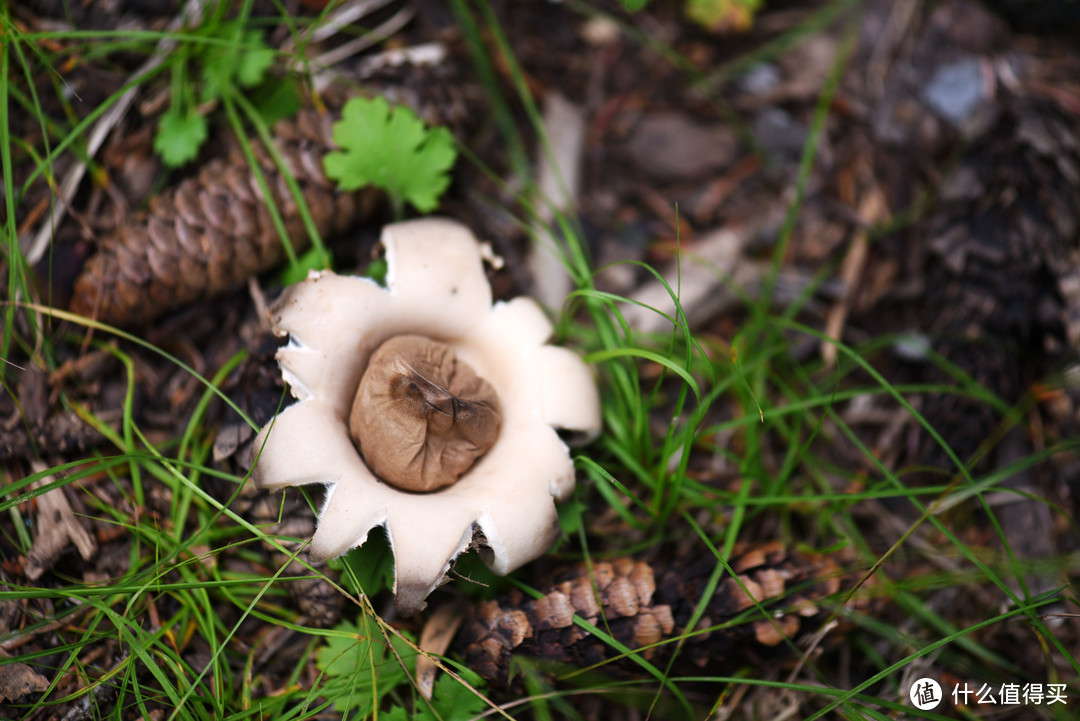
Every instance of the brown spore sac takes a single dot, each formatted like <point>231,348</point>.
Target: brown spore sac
<point>421,417</point>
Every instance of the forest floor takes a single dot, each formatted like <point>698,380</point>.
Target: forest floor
<point>843,458</point>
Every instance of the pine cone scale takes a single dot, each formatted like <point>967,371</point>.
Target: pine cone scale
<point>313,169</point>
<point>215,209</point>
<point>235,183</point>
<point>160,230</point>
<point>218,277</point>
<point>161,266</point>
<point>187,203</point>
<point>131,266</point>
<point>189,236</point>
<point>157,293</point>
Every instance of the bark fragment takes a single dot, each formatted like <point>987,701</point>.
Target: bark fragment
<point>18,680</point>
<point>57,527</point>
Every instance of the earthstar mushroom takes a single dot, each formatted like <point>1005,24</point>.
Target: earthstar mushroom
<point>437,298</point>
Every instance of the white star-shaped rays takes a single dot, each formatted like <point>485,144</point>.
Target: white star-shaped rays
<point>436,287</point>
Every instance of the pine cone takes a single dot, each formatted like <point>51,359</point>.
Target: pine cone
<point>211,232</point>
<point>640,607</point>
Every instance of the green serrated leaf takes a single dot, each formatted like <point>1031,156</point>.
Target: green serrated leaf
<point>359,667</point>
<point>179,136</point>
<point>451,701</point>
<point>255,58</point>
<point>397,713</point>
<point>432,160</point>
<point>392,149</point>
<point>244,62</point>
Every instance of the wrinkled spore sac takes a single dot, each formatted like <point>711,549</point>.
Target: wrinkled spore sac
<point>421,417</point>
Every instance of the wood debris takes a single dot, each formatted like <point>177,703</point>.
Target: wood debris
<point>18,680</point>
<point>57,527</point>
<point>558,189</point>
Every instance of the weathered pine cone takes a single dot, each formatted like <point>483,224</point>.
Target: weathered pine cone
<point>211,232</point>
<point>648,610</point>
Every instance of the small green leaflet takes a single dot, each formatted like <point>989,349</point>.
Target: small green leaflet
<point>255,59</point>
<point>391,149</point>
<point>449,702</point>
<point>359,669</point>
<point>179,136</point>
<point>243,62</point>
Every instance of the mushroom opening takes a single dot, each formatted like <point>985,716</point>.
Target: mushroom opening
<point>421,417</point>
